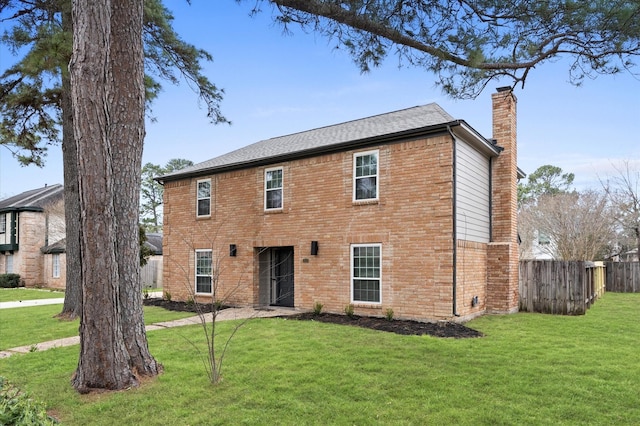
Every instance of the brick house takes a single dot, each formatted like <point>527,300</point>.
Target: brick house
<point>31,230</point>
<point>411,210</point>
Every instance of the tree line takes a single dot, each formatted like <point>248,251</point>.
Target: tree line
<point>559,222</point>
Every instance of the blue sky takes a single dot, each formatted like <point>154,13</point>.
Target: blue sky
<point>279,84</point>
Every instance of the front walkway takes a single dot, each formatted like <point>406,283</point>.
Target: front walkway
<point>224,315</point>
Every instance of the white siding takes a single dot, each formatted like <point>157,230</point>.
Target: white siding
<point>472,194</point>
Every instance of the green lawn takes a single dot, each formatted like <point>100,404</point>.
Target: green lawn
<point>26,326</point>
<point>528,369</point>
<point>15,294</point>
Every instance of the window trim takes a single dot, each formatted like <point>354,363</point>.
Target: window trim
<point>281,188</point>
<point>203,198</point>
<point>55,265</point>
<point>196,275</point>
<point>355,178</point>
<point>3,223</point>
<point>353,278</point>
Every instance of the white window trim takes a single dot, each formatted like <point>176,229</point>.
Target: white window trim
<point>195,271</point>
<point>377,175</point>
<point>273,169</point>
<point>55,265</point>
<point>198,197</point>
<point>3,223</point>
<point>363,302</point>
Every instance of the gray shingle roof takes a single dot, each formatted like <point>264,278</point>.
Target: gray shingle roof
<point>418,117</point>
<point>35,199</point>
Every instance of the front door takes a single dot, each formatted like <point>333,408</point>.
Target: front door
<point>282,276</point>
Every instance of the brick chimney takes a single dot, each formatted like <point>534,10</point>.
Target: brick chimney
<point>502,274</point>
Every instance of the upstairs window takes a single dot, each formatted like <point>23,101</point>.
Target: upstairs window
<point>273,189</point>
<point>365,176</point>
<point>3,223</point>
<point>204,271</point>
<point>366,261</point>
<point>204,198</point>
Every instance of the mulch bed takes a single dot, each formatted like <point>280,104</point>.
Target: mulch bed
<point>404,327</point>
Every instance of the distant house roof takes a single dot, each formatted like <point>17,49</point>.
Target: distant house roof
<point>154,242</point>
<point>57,247</point>
<point>33,200</point>
<point>395,125</point>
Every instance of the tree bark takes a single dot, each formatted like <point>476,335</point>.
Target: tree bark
<point>127,58</point>
<point>73,284</point>
<point>108,121</point>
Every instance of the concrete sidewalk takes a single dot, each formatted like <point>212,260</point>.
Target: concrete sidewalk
<point>55,301</point>
<point>224,315</point>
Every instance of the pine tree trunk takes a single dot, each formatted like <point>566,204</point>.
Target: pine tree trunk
<point>73,284</point>
<point>108,101</point>
<point>127,161</point>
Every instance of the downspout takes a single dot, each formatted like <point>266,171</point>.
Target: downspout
<point>454,223</point>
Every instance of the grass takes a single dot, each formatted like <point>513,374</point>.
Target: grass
<point>15,294</point>
<point>528,369</point>
<point>26,326</point>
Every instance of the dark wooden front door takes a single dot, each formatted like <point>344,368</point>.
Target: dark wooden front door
<point>282,276</point>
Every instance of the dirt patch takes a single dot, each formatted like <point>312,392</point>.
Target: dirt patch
<point>172,305</point>
<point>404,327</point>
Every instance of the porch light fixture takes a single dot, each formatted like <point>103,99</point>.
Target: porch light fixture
<point>314,248</point>
<point>233,250</point>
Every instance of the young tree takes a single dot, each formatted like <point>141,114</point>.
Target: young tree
<point>624,193</point>
<point>151,192</point>
<point>468,43</point>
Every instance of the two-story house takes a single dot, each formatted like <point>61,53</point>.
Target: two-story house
<point>412,210</point>
<point>29,223</point>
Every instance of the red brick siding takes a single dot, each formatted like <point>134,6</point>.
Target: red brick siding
<point>412,220</point>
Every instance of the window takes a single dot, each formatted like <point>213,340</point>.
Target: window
<point>3,223</point>
<point>204,269</point>
<point>55,263</point>
<point>365,175</point>
<point>365,273</point>
<point>273,189</point>
<point>204,198</point>
<point>8,267</point>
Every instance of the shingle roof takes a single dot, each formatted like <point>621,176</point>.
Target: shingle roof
<point>415,118</point>
<point>154,242</point>
<point>35,199</point>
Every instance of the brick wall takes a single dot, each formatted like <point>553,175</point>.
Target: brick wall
<point>412,220</point>
<point>29,260</point>
<point>502,284</point>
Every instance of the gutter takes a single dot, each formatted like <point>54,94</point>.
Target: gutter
<point>454,231</point>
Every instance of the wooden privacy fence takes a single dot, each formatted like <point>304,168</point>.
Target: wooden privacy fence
<point>623,277</point>
<point>559,287</point>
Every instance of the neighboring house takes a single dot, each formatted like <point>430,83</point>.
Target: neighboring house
<point>151,273</point>
<point>31,224</point>
<point>539,247</point>
<point>411,210</point>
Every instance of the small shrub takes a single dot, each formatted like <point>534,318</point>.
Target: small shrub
<point>349,310</point>
<point>190,301</point>
<point>145,292</point>
<point>33,348</point>
<point>317,308</point>
<point>10,281</point>
<point>167,296</point>
<point>16,408</point>
<point>388,314</point>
